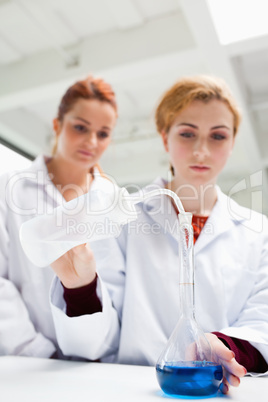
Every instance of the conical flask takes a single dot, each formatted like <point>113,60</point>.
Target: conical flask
<point>185,366</point>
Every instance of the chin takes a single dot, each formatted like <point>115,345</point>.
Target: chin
<point>84,162</point>
<point>202,182</point>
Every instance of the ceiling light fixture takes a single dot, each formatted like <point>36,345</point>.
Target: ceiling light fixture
<point>237,20</point>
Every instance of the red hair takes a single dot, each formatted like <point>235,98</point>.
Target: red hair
<point>89,88</point>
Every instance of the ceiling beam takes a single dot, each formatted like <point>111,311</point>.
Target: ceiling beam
<point>247,46</point>
<point>13,136</point>
<point>118,76</point>
<point>125,13</point>
<point>26,131</point>
<point>45,75</point>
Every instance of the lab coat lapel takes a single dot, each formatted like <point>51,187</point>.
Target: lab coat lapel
<point>38,175</point>
<point>222,218</point>
<point>224,215</point>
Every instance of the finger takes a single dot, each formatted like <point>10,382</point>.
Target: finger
<point>190,353</point>
<point>224,387</point>
<point>232,379</point>
<point>228,380</point>
<point>222,352</point>
<point>233,367</point>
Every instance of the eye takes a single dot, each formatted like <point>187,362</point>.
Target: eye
<point>218,136</point>
<point>103,134</point>
<point>80,128</point>
<point>186,134</point>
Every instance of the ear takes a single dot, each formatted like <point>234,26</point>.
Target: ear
<point>164,136</point>
<point>56,126</point>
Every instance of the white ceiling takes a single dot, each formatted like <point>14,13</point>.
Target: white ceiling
<point>141,47</point>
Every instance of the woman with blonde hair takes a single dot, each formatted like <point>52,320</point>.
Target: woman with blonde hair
<point>139,303</point>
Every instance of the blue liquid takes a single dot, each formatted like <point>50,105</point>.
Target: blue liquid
<point>189,378</point>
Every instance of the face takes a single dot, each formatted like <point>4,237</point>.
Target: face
<point>85,132</point>
<point>200,141</point>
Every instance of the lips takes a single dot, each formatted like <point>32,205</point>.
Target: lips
<point>86,153</point>
<point>200,168</point>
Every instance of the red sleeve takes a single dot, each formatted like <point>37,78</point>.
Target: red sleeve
<point>81,301</point>
<point>245,353</point>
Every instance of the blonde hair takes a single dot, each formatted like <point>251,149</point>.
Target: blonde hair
<point>188,89</point>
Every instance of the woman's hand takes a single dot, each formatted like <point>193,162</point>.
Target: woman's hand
<point>232,370</point>
<point>77,267</point>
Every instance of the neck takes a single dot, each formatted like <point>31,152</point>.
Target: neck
<point>70,180</point>
<point>198,199</point>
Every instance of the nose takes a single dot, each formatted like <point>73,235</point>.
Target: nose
<point>201,150</point>
<point>92,139</point>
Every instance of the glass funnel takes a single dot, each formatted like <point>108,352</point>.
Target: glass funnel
<point>185,366</point>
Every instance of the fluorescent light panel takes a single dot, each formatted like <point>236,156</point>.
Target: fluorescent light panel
<point>237,20</point>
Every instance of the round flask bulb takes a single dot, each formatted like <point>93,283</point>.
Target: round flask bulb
<point>193,378</point>
<point>186,366</point>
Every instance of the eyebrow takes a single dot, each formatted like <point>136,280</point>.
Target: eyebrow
<point>89,124</point>
<point>85,121</point>
<point>223,126</point>
<point>187,124</point>
<point>194,126</point>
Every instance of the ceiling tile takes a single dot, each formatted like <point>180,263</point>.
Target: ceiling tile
<point>125,13</point>
<point>7,53</point>
<point>86,17</point>
<point>50,21</point>
<point>21,30</point>
<point>254,68</point>
<point>154,8</point>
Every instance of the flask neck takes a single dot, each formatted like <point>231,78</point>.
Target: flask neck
<point>187,300</point>
<point>186,271</point>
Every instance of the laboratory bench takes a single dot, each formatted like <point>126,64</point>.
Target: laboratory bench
<point>31,379</point>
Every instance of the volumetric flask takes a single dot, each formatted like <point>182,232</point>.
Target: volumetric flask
<point>186,366</point>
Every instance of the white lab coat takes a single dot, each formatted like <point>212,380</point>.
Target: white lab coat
<point>26,325</point>
<point>138,284</point>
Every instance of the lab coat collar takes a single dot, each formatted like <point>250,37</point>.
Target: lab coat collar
<point>161,210</point>
<point>102,182</point>
<point>225,214</point>
<point>37,175</point>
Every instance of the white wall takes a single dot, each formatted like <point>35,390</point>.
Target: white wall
<point>10,160</point>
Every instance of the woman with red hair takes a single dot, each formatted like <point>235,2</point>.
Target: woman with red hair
<point>83,128</point>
